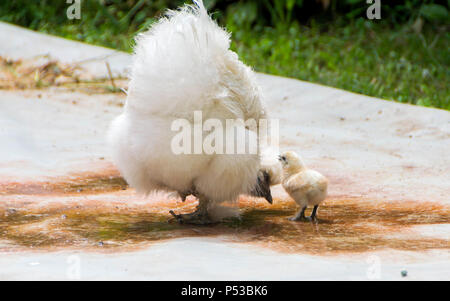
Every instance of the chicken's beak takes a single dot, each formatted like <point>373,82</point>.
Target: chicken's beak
<point>279,158</point>
<point>268,193</point>
<point>268,198</point>
<point>262,187</point>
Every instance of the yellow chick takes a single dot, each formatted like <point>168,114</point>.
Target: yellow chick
<point>305,186</point>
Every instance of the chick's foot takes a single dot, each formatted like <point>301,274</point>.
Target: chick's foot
<point>301,219</point>
<point>300,216</point>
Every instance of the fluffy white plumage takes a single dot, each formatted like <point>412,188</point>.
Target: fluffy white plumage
<point>271,165</point>
<point>183,64</point>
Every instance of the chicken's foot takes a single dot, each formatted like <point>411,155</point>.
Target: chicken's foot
<point>199,217</point>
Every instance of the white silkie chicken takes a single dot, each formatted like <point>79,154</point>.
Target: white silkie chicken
<point>180,65</point>
<point>306,186</point>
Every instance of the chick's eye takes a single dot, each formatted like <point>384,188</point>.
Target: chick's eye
<point>283,158</point>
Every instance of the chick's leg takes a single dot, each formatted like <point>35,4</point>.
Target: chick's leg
<point>300,216</point>
<point>314,212</point>
<point>199,217</point>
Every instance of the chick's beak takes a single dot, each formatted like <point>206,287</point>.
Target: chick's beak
<point>279,158</point>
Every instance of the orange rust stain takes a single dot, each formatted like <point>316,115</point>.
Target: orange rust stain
<point>347,226</point>
<point>99,182</point>
<point>88,221</point>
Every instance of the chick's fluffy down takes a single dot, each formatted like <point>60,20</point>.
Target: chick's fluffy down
<point>307,188</point>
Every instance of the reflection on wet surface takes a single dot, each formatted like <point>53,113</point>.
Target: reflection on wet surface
<point>86,223</point>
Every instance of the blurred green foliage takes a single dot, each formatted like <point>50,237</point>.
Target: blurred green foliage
<point>404,56</point>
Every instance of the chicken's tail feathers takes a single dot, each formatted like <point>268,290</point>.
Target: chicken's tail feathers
<point>198,9</point>
<point>176,63</point>
<point>201,7</point>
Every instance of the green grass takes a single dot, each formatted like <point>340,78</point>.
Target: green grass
<point>363,57</point>
<point>381,59</point>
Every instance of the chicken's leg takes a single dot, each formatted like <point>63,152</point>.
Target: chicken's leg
<point>183,195</point>
<point>199,217</point>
